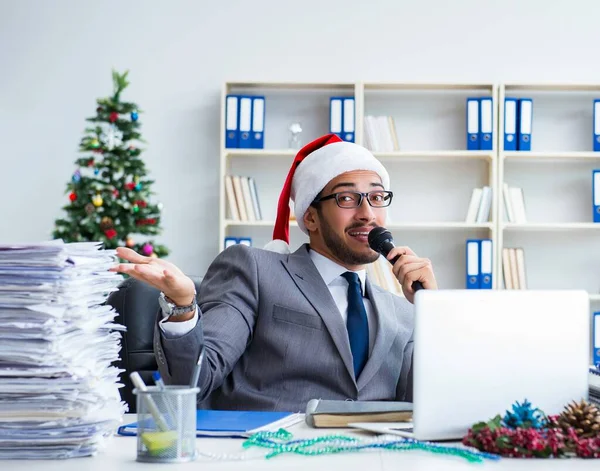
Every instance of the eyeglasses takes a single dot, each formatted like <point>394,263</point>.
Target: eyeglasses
<point>353,199</point>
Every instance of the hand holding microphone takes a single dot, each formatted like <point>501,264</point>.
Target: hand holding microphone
<point>413,273</point>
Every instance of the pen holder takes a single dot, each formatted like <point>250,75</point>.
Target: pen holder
<point>166,424</point>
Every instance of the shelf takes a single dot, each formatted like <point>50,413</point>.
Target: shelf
<point>405,226</point>
<point>565,226</point>
<point>260,152</point>
<point>368,86</point>
<point>435,155</point>
<point>292,85</point>
<point>552,87</point>
<point>550,156</point>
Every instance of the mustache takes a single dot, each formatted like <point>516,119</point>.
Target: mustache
<point>357,225</point>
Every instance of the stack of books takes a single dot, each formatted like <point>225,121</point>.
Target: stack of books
<point>59,394</point>
<point>242,198</point>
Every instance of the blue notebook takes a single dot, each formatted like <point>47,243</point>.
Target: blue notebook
<point>226,423</point>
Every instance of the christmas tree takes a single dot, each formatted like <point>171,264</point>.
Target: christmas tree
<point>109,194</point>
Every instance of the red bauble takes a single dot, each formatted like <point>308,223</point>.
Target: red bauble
<point>116,193</point>
<point>72,196</point>
<point>113,116</point>
<point>110,233</point>
<point>90,163</point>
<point>130,186</point>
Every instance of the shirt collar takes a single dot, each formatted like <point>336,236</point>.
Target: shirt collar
<point>330,270</point>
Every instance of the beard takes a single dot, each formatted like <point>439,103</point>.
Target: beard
<point>341,251</point>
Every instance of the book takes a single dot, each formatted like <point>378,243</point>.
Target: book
<point>232,423</point>
<point>333,414</point>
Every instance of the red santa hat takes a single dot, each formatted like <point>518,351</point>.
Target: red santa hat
<point>314,166</point>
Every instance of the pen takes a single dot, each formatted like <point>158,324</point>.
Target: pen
<point>138,382</point>
<point>158,380</point>
<point>197,369</point>
<point>161,387</point>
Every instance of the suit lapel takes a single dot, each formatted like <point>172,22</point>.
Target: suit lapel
<point>387,329</point>
<point>306,276</point>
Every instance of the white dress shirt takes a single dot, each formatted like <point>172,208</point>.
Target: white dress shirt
<point>331,273</point>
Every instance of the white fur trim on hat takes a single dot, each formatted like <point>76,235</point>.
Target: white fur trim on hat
<point>278,246</point>
<point>323,165</point>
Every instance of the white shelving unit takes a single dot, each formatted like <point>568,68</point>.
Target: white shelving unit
<point>560,241</point>
<point>432,174</point>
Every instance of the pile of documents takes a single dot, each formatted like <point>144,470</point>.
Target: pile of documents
<point>59,393</point>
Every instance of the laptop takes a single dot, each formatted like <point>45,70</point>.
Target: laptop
<point>476,352</point>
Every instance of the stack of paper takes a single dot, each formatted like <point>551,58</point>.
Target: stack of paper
<point>59,394</point>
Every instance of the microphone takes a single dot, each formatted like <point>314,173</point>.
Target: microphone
<point>381,240</point>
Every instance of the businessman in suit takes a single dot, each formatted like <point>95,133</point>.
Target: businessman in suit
<point>282,328</point>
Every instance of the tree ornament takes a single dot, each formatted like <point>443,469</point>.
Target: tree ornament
<point>147,249</point>
<point>524,416</point>
<point>89,208</point>
<point>111,137</point>
<point>138,187</point>
<point>72,196</point>
<point>94,143</point>
<point>90,163</point>
<point>130,186</point>
<point>110,233</point>
<point>129,242</point>
<point>113,116</point>
<point>116,193</point>
<point>583,417</point>
<point>134,116</point>
<point>96,170</point>
<point>160,206</point>
<point>135,208</point>
<point>106,223</point>
<point>97,200</point>
<point>76,176</point>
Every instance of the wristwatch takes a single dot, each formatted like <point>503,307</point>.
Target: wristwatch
<point>170,309</point>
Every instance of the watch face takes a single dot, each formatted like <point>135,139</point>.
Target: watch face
<point>166,307</point>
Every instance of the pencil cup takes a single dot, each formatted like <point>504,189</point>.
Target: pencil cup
<point>166,424</point>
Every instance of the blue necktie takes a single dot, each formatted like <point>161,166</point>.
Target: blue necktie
<point>358,327</point>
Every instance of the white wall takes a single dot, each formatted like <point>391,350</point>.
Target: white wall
<point>56,59</point>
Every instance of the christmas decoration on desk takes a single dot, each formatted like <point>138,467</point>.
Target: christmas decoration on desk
<point>111,180</point>
<point>526,432</point>
<point>294,139</point>
<point>282,441</point>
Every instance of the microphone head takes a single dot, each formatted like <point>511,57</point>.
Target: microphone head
<point>378,236</point>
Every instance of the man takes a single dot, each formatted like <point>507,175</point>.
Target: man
<point>280,329</point>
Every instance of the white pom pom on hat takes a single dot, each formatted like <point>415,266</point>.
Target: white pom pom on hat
<point>314,166</point>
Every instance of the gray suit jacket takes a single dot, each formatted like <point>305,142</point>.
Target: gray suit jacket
<point>275,338</point>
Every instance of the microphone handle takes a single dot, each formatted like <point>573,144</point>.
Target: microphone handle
<point>417,285</point>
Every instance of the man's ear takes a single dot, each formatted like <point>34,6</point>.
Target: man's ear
<point>311,219</point>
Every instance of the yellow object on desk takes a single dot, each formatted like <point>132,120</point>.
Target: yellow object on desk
<point>159,443</point>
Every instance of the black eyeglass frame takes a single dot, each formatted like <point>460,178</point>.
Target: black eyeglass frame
<point>388,196</point>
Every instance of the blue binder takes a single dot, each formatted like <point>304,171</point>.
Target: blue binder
<point>472,123</point>
<point>510,124</point>
<point>336,113</point>
<point>525,123</point>
<point>473,264</point>
<point>258,122</point>
<point>596,339</point>
<point>229,241</point>
<point>596,130</point>
<point>231,121</point>
<point>596,194</point>
<point>348,119</point>
<point>486,123</point>
<point>245,241</point>
<point>245,120</point>
<point>485,263</point>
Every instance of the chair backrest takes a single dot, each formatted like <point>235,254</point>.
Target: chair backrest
<point>137,306</point>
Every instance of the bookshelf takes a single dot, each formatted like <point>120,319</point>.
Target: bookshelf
<point>432,173</point>
<point>559,238</point>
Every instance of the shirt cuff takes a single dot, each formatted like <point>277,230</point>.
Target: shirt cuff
<point>178,329</point>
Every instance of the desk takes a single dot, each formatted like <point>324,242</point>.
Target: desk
<point>121,451</point>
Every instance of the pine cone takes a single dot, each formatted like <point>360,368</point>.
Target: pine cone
<point>583,417</point>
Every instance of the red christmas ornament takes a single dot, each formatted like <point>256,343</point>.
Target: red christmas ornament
<point>90,163</point>
<point>116,193</point>
<point>141,203</point>
<point>130,186</point>
<point>113,116</point>
<point>110,233</point>
<point>72,196</point>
